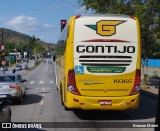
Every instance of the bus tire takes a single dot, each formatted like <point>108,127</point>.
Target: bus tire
<point>62,103</point>
<point>66,108</point>
<point>20,99</point>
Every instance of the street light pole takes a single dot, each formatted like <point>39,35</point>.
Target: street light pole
<point>2,37</point>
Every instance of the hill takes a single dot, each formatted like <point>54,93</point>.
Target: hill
<point>11,36</point>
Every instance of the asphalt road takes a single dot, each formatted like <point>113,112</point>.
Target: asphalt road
<point>42,104</point>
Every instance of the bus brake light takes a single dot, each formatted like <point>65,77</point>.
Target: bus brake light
<point>136,87</point>
<point>72,88</point>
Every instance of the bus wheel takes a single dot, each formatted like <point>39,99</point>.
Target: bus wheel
<point>66,108</point>
<point>19,100</point>
<point>61,97</point>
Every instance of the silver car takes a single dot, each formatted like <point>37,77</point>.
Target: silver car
<point>154,81</point>
<point>12,87</point>
<point>19,67</point>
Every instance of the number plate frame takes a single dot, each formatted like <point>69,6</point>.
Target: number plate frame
<point>105,102</point>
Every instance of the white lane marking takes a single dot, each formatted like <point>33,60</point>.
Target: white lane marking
<point>39,88</point>
<point>41,82</point>
<point>51,82</point>
<point>42,101</point>
<point>31,82</point>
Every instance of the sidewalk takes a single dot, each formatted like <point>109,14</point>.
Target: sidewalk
<point>31,64</point>
<point>150,92</point>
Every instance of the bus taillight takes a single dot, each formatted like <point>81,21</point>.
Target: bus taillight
<point>136,87</point>
<point>72,88</point>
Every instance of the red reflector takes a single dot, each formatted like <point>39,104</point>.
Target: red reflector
<point>132,17</point>
<point>133,100</point>
<point>78,16</point>
<point>75,100</point>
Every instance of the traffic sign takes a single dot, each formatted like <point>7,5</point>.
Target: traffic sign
<point>2,47</point>
<point>3,62</point>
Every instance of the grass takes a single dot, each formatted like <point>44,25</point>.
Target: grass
<point>37,64</point>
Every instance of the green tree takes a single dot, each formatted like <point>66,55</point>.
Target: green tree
<point>39,48</point>
<point>10,46</point>
<point>148,13</point>
<point>32,44</point>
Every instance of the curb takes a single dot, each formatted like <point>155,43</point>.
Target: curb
<point>149,94</point>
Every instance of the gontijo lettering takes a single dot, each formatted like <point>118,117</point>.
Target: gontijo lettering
<point>104,49</point>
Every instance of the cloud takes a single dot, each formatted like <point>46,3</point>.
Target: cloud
<point>24,23</point>
<point>28,24</point>
<point>47,26</point>
<point>31,26</point>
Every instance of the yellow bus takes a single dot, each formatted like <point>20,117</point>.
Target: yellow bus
<point>98,62</point>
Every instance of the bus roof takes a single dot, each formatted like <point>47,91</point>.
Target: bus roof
<point>105,15</point>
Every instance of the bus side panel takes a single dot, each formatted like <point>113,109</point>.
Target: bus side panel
<point>139,45</point>
<point>59,72</point>
<point>69,59</point>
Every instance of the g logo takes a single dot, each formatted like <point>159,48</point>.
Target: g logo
<point>107,27</point>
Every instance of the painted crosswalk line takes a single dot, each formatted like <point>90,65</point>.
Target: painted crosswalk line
<point>41,82</point>
<point>32,82</point>
<point>51,82</point>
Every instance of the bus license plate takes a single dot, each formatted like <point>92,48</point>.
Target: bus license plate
<point>105,102</point>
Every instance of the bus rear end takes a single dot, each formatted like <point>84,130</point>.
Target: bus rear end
<point>106,72</point>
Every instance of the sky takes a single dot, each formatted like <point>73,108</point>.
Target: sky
<point>40,18</point>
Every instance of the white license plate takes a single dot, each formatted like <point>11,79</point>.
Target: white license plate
<point>105,102</point>
<point>2,96</point>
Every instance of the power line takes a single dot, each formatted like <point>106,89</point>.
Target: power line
<point>36,30</point>
<point>73,6</point>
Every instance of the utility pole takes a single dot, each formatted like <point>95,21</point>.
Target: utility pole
<point>2,37</point>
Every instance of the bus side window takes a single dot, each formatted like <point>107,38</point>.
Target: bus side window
<point>61,44</point>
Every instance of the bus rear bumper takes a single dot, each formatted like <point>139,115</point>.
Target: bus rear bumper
<point>103,103</point>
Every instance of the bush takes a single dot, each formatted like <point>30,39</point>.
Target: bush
<point>155,74</point>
